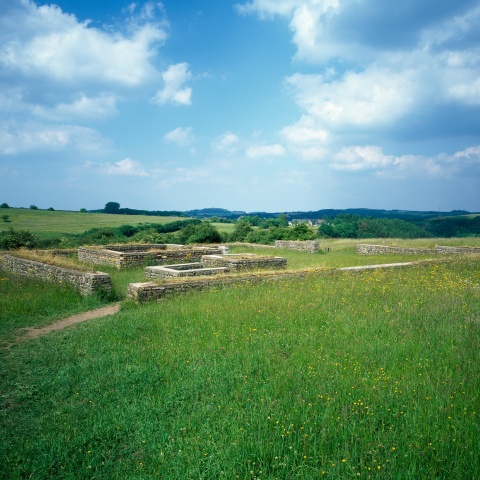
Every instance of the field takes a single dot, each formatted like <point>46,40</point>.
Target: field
<point>47,224</point>
<point>336,375</point>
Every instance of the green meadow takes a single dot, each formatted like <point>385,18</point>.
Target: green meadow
<point>47,224</point>
<point>372,374</point>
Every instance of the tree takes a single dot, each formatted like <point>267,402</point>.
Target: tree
<point>200,233</point>
<point>83,210</point>
<point>4,205</point>
<point>51,209</point>
<point>33,207</point>
<point>112,207</point>
<point>241,229</point>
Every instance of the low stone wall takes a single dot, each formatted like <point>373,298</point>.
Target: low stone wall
<point>364,249</point>
<point>257,246</point>
<point>243,261</point>
<point>309,246</point>
<point>182,270</point>
<point>86,283</point>
<point>457,250</point>
<point>150,291</point>
<point>124,256</point>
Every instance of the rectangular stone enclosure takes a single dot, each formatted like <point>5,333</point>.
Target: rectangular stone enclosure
<point>86,283</point>
<point>124,256</point>
<point>182,270</point>
<point>243,261</point>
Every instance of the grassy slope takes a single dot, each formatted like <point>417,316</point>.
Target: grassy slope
<point>372,373</point>
<point>44,223</point>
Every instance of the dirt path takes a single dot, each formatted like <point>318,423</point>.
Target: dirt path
<point>29,333</point>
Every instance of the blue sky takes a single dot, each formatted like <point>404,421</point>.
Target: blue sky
<point>258,105</point>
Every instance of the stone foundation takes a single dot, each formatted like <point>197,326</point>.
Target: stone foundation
<point>125,256</point>
<point>243,261</point>
<point>182,270</point>
<point>364,249</point>
<point>309,246</point>
<point>150,291</point>
<point>86,283</point>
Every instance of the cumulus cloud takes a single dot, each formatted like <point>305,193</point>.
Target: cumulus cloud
<point>59,70</point>
<point>182,136</point>
<point>259,151</point>
<point>44,43</point>
<point>126,167</point>
<point>371,157</point>
<point>384,71</point>
<point>174,91</point>
<point>226,144</point>
<point>376,95</point>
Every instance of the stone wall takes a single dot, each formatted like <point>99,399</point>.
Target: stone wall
<point>457,250</point>
<point>182,270</point>
<point>243,261</point>
<point>364,249</point>
<point>124,256</point>
<point>309,246</point>
<point>86,283</point>
<point>150,291</point>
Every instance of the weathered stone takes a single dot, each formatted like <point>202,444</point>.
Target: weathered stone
<point>124,256</point>
<point>182,270</point>
<point>86,283</point>
<point>365,249</point>
<point>243,261</point>
<point>310,246</point>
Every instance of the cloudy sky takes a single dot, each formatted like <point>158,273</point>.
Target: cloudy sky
<point>255,105</point>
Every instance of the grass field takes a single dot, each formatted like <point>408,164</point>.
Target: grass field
<point>339,375</point>
<point>47,224</point>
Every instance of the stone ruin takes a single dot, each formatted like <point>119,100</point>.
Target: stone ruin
<point>125,256</point>
<point>216,264</point>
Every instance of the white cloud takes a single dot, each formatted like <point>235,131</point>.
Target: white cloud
<point>259,151</point>
<point>267,8</point>
<point>371,157</point>
<point>44,43</point>
<point>174,90</point>
<point>376,95</point>
<point>18,138</point>
<point>103,106</point>
<point>362,158</point>
<point>182,136</point>
<point>127,167</point>
<point>226,144</point>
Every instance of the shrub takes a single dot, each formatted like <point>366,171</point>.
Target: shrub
<point>14,239</point>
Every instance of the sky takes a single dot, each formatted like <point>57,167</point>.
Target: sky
<point>250,105</point>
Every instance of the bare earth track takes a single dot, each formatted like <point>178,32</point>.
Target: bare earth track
<point>29,333</point>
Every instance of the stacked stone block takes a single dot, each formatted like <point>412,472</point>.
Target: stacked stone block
<point>86,283</point>
<point>244,261</point>
<point>309,246</point>
<point>125,256</point>
<point>364,249</point>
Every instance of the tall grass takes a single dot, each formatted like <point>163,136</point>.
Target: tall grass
<point>347,375</point>
<point>26,302</point>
